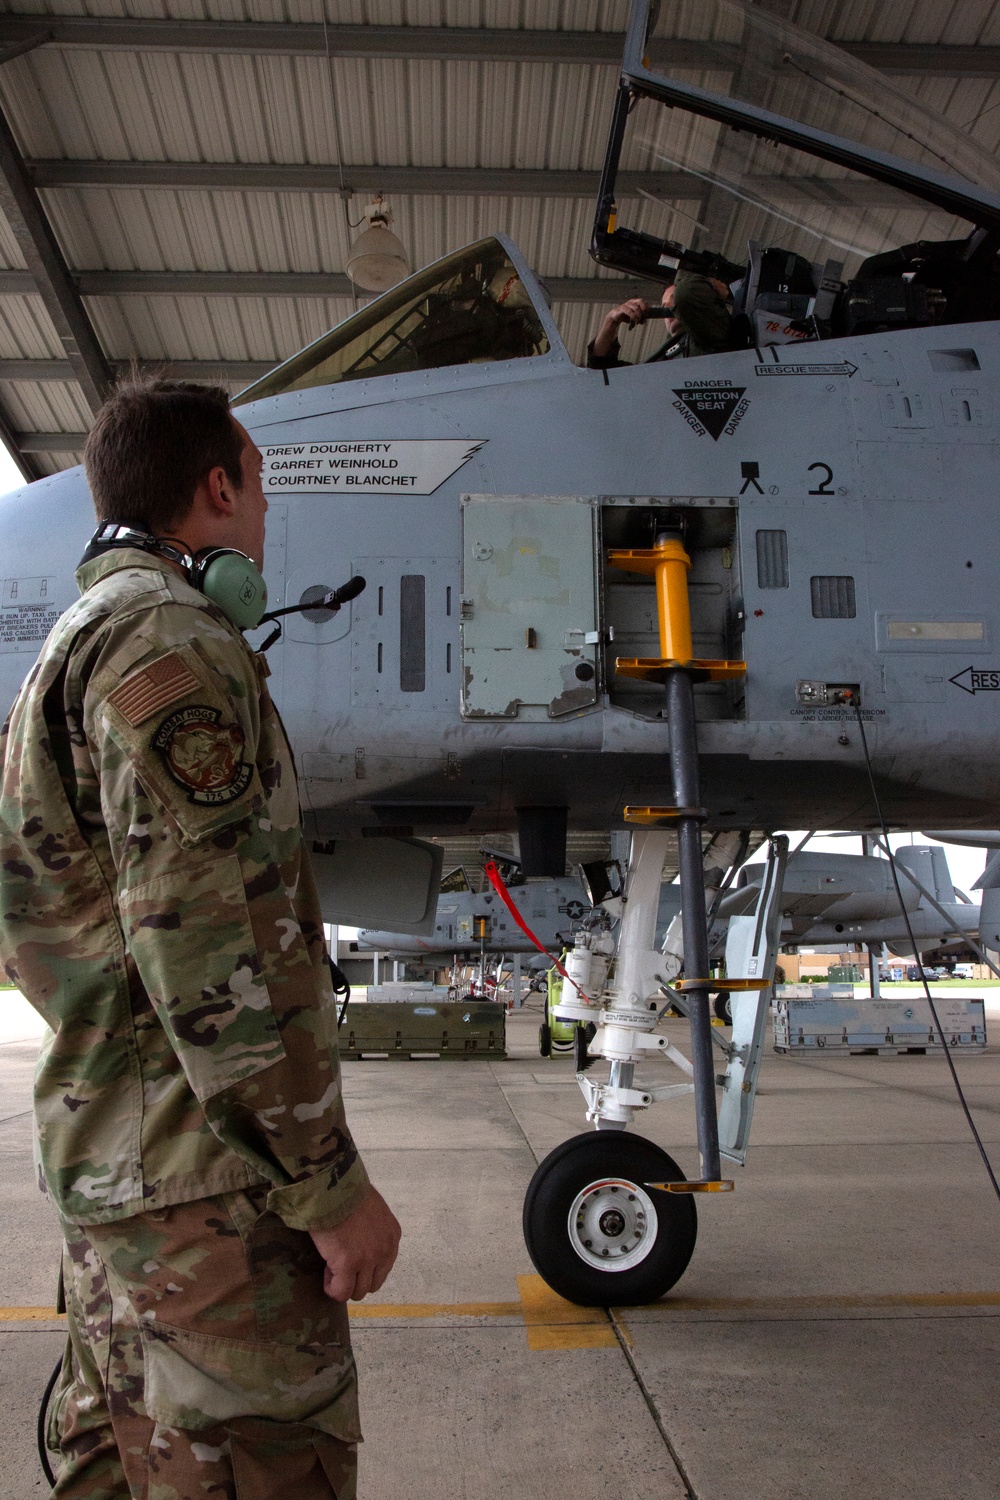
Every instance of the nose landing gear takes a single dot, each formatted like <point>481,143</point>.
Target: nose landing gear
<point>596,1230</point>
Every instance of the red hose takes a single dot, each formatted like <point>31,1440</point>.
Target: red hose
<point>496,881</point>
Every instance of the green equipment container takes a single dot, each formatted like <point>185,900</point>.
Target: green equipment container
<point>845,974</point>
<point>469,1030</point>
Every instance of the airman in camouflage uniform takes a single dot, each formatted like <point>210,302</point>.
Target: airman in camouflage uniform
<point>158,908</point>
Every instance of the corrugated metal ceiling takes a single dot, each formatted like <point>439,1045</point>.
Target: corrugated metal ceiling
<point>139,104</point>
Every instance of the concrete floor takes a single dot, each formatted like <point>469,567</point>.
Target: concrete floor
<point>837,1333</point>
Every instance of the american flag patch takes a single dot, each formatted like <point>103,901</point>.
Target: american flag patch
<point>152,688</point>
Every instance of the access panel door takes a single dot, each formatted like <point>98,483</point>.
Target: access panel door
<point>529,606</point>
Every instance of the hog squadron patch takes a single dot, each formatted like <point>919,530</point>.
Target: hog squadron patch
<point>204,756</point>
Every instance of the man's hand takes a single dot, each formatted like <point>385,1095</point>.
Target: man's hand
<point>631,312</point>
<point>361,1251</point>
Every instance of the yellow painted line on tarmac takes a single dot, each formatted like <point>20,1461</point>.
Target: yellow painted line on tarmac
<point>554,1323</point>
<point>29,1314</point>
<point>551,1322</point>
<point>435,1309</point>
<point>580,1337</point>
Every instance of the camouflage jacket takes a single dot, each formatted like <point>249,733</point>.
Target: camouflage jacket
<point>157,906</point>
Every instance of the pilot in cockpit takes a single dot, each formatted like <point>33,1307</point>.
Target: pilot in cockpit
<point>699,321</point>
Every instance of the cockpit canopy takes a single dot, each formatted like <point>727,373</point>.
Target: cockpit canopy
<point>832,202</point>
<point>775,135</point>
<point>469,308</point>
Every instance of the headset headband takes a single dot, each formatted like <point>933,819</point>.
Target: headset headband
<point>223,574</point>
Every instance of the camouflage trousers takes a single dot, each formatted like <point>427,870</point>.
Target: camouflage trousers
<point>204,1361</point>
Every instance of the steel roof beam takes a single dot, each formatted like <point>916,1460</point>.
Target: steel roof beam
<point>943,61</point>
<point>21,207</point>
<point>434,43</point>
<point>453,43</point>
<point>272,177</point>
<point>208,370</point>
<point>277,284</point>
<point>49,442</point>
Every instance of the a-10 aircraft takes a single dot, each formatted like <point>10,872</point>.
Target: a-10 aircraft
<point>826,899</point>
<point>850,898</point>
<point>684,595</point>
<point>469,922</point>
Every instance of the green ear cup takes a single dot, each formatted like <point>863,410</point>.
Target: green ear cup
<point>233,583</point>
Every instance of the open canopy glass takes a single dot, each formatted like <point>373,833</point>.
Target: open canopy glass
<point>778,136</point>
<point>822,194</point>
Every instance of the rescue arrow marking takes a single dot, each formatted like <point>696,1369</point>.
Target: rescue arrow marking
<point>979,680</point>
<point>843,369</point>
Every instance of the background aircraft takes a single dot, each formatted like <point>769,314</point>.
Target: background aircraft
<point>851,898</point>
<point>827,899</point>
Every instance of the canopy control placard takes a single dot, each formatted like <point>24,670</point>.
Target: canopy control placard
<point>365,466</point>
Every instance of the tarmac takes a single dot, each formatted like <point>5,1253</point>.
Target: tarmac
<point>837,1333</point>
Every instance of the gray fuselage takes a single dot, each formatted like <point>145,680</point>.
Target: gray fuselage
<point>841,529</point>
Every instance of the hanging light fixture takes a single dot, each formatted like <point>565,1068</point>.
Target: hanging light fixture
<point>377,260</point>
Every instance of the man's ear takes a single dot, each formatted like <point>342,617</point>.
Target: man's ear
<point>220,491</point>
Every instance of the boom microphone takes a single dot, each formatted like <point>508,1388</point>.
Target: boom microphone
<point>347,591</point>
<point>331,601</point>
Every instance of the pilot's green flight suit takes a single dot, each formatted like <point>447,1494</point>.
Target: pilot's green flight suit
<point>158,908</point>
<point>706,326</point>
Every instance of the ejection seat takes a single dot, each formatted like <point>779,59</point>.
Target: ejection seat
<point>784,298</point>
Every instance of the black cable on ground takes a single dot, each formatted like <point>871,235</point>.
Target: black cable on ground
<point>43,1416</point>
<point>909,933</point>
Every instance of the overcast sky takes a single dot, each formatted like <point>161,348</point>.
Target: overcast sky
<point>10,474</point>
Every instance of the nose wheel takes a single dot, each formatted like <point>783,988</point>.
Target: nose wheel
<point>596,1233</point>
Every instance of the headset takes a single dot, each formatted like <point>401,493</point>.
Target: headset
<point>228,577</point>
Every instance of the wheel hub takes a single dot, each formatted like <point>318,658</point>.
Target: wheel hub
<point>612,1224</point>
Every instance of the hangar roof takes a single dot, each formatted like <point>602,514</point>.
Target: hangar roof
<point>178,177</point>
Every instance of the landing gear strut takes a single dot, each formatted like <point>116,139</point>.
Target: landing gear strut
<point>597,1228</point>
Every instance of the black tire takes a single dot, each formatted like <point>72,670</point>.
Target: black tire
<point>779,974</point>
<point>545,1039</point>
<point>723,1009</point>
<point>668,1226</point>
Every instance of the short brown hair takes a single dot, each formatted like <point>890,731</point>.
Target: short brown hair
<point>151,445</point>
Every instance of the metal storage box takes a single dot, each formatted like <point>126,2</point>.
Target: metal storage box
<point>416,992</point>
<point>398,1029</point>
<point>850,1025</point>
